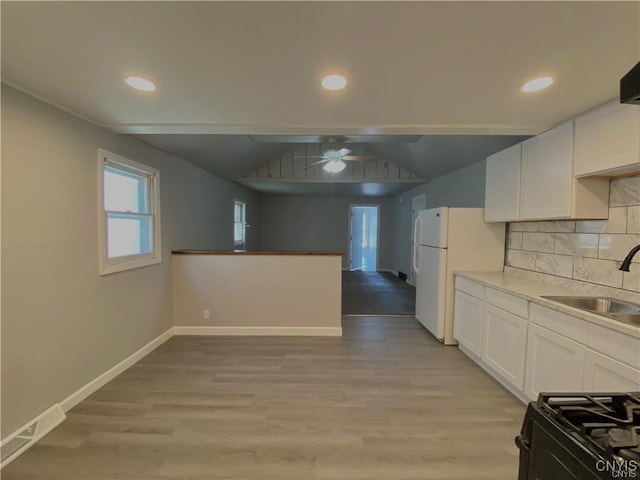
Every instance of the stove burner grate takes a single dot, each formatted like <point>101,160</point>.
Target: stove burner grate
<point>608,422</point>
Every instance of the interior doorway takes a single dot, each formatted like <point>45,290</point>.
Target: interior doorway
<point>363,237</point>
<point>419,202</point>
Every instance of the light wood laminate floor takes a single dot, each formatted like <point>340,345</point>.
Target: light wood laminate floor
<point>384,402</point>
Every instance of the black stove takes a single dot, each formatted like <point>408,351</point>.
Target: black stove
<point>578,436</point>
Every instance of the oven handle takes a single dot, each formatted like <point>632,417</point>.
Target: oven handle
<point>523,443</point>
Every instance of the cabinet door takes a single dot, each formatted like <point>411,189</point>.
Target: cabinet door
<point>504,344</point>
<point>554,363</point>
<point>467,322</point>
<point>546,178</point>
<point>502,193</point>
<point>604,374</point>
<point>607,138</point>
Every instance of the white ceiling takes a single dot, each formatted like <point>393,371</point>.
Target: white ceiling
<point>446,68</point>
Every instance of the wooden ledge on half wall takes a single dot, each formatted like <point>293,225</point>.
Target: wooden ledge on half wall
<point>256,252</point>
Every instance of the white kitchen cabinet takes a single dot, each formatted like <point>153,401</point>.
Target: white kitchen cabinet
<point>467,322</point>
<point>617,345</point>
<point>548,188</point>
<point>547,174</point>
<point>604,374</point>
<point>607,140</point>
<point>559,322</point>
<point>502,192</point>
<point>504,344</point>
<point>554,363</point>
<point>535,180</point>
<point>530,347</point>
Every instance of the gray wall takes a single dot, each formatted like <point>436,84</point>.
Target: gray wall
<point>462,188</point>
<point>62,323</point>
<point>319,223</point>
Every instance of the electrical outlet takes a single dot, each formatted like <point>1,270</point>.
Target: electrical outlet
<point>206,314</point>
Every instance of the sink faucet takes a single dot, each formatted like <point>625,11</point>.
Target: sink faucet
<point>627,260</point>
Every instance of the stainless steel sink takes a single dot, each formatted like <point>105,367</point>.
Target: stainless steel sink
<point>632,318</point>
<point>610,307</point>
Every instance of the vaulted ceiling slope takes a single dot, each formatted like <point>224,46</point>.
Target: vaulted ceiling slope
<point>231,156</point>
<point>227,70</point>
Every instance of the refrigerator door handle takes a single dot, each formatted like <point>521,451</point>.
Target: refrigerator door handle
<point>415,245</point>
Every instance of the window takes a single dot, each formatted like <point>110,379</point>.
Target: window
<point>239,223</point>
<point>129,200</point>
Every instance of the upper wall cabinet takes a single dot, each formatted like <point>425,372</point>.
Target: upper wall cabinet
<point>607,140</point>
<point>546,188</point>
<point>546,174</point>
<point>502,196</point>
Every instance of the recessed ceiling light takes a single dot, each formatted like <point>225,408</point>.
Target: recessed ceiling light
<point>334,82</point>
<point>536,84</point>
<point>140,83</point>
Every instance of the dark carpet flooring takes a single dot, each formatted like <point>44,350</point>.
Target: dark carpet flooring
<point>376,293</point>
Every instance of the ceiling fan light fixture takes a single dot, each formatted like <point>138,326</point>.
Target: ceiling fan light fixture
<point>334,166</point>
<point>334,82</point>
<point>140,83</point>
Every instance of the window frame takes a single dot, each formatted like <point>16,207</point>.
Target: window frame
<point>128,262</point>
<point>243,243</point>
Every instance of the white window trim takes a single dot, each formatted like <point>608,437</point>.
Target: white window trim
<point>243,243</point>
<point>129,262</point>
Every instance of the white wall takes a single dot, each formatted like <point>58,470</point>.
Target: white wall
<point>319,223</point>
<point>462,188</point>
<point>62,323</point>
<point>302,294</point>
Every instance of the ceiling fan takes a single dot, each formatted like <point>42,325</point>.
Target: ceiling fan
<point>333,159</point>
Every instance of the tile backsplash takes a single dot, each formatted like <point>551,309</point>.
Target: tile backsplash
<point>584,250</point>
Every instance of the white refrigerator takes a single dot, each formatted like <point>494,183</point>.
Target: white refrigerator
<point>449,240</point>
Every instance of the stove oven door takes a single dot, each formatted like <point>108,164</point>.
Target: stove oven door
<point>550,460</point>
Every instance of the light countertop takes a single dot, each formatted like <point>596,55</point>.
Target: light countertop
<point>532,290</point>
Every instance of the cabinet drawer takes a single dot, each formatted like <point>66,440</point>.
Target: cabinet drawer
<point>571,327</point>
<point>616,345</point>
<point>510,303</point>
<point>471,288</point>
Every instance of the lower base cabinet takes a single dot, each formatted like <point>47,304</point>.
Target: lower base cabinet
<point>554,363</point>
<point>604,374</point>
<point>467,322</point>
<point>504,344</point>
<point>532,348</point>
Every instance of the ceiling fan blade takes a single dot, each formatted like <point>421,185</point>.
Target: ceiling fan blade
<point>356,158</point>
<point>327,160</point>
<point>311,156</point>
<point>331,153</point>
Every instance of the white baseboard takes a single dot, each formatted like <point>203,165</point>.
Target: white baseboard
<point>82,393</point>
<point>29,433</point>
<point>35,429</point>
<point>32,431</point>
<point>261,331</point>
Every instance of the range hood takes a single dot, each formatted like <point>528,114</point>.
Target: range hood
<point>630,86</point>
